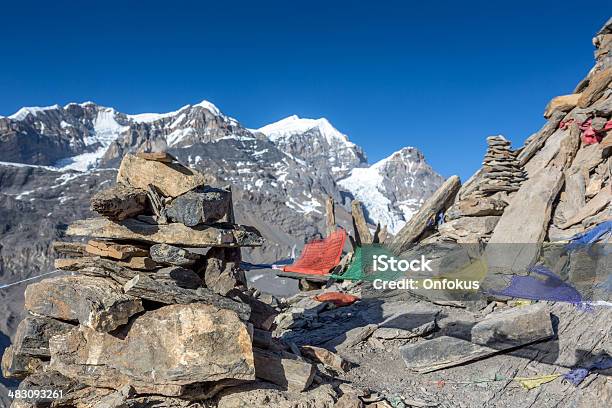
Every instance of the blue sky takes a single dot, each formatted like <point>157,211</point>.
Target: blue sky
<point>440,76</point>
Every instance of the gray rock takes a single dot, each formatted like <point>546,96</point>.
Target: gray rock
<point>514,327</point>
<point>221,270</point>
<point>119,202</point>
<point>171,255</point>
<point>202,205</point>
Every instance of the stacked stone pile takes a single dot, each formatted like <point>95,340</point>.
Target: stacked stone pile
<point>555,186</point>
<point>501,169</point>
<point>154,303</point>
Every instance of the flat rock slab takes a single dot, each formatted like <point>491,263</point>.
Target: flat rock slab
<point>500,331</point>
<point>524,222</point>
<point>172,179</point>
<point>163,157</point>
<point>442,352</point>
<point>137,262</point>
<point>516,326</point>
<point>119,202</point>
<point>114,250</point>
<point>173,234</point>
<point>94,302</point>
<point>178,285</point>
<point>202,205</point>
<point>163,352</point>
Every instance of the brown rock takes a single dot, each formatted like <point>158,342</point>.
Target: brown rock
<point>69,248</point>
<point>19,365</point>
<point>163,157</point>
<point>598,83</point>
<point>93,302</point>
<point>172,179</point>
<point>119,202</point>
<point>563,103</point>
<point>326,357</point>
<point>114,250</point>
<point>286,370</point>
<point>139,263</point>
<point>193,344</point>
<point>349,401</point>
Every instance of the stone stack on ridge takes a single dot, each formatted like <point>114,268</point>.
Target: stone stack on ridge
<point>154,302</point>
<point>501,169</point>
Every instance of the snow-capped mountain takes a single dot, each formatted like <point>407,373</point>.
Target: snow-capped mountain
<point>53,159</point>
<point>317,142</point>
<point>394,188</point>
<point>296,160</point>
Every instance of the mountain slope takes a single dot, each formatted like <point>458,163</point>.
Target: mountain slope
<point>393,189</point>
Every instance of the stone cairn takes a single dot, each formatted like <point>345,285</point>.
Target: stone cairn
<point>483,199</point>
<point>501,169</point>
<point>155,303</point>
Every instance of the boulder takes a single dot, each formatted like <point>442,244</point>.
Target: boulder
<point>166,351</point>
<point>119,202</point>
<point>171,255</point>
<point>177,234</point>
<point>202,205</point>
<point>94,302</point>
<point>172,179</point>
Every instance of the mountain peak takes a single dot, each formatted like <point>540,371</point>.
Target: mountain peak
<point>294,125</point>
<point>210,107</point>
